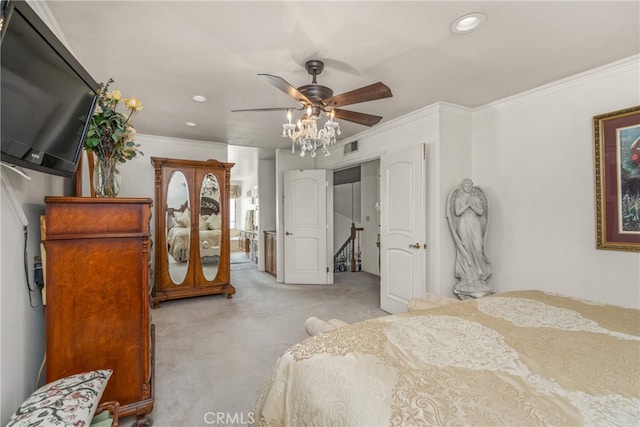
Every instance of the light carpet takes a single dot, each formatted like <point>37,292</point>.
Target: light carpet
<point>213,355</point>
<point>241,261</point>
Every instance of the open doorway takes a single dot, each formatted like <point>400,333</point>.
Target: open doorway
<point>356,195</point>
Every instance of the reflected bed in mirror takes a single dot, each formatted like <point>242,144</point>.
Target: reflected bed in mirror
<point>210,226</point>
<point>178,225</point>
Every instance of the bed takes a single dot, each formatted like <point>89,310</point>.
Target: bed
<point>209,235</point>
<point>517,358</point>
<point>178,243</point>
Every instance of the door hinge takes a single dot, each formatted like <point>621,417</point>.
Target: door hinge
<point>327,269</point>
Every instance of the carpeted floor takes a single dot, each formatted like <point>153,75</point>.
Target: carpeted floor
<point>241,261</point>
<point>214,355</point>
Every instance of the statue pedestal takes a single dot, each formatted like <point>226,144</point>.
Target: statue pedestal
<point>477,289</point>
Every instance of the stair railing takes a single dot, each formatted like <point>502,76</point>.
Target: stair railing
<point>348,256</point>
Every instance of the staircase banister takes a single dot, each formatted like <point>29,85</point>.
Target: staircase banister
<point>344,245</point>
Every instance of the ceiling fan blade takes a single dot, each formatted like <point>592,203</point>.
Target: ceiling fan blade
<point>367,93</point>
<point>355,117</point>
<point>268,109</point>
<point>284,86</point>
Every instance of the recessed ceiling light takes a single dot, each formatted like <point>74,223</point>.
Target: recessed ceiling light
<point>199,98</point>
<point>191,124</point>
<point>467,23</point>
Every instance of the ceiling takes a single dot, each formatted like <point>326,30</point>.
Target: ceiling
<point>164,52</point>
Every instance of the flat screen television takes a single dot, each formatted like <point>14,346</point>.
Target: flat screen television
<point>47,97</point>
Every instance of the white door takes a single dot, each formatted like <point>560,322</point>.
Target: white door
<point>402,228</point>
<point>305,227</point>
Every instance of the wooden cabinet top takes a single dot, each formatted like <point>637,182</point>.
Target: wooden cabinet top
<point>97,200</point>
<point>96,217</point>
<point>211,163</point>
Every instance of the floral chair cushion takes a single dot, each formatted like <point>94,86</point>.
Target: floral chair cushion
<point>69,401</point>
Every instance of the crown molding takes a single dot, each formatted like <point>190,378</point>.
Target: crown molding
<point>183,141</point>
<point>580,79</point>
<point>418,114</point>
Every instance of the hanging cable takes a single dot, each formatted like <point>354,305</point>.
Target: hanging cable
<point>44,360</point>
<point>26,270</point>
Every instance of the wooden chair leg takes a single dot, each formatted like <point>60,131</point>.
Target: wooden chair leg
<point>113,407</point>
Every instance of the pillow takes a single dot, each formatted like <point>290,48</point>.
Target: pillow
<point>203,222</point>
<point>182,218</point>
<point>214,222</point>
<point>69,401</point>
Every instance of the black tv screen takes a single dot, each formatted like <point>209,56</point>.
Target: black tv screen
<point>47,96</point>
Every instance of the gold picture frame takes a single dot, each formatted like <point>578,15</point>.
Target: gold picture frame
<point>617,179</point>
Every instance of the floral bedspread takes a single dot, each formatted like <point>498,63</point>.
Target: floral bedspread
<point>517,358</point>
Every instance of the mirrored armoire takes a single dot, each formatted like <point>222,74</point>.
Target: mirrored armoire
<point>192,250</point>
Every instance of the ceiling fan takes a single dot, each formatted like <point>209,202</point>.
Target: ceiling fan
<point>318,98</point>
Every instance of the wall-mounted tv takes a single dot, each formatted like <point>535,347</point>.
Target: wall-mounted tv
<point>47,97</point>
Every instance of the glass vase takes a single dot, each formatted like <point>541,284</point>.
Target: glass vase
<point>106,177</point>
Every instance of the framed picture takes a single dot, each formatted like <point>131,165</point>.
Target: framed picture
<point>617,170</point>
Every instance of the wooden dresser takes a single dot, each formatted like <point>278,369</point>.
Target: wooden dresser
<point>97,295</point>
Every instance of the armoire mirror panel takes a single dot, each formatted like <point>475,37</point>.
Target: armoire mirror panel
<point>178,227</point>
<point>193,254</point>
<point>210,226</point>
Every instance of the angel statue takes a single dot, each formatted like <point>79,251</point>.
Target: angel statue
<point>467,215</point>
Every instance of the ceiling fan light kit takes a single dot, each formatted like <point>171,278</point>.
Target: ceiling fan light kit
<point>305,133</point>
<point>317,99</point>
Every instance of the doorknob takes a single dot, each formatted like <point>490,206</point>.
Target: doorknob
<point>288,234</point>
<point>416,246</point>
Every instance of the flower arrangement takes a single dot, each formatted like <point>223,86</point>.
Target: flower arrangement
<point>111,137</point>
<point>111,134</point>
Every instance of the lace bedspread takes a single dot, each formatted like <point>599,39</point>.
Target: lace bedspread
<point>517,358</point>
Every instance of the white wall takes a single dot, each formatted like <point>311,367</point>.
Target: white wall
<point>370,194</point>
<point>451,163</point>
<point>21,326</point>
<point>533,153</point>
<point>267,206</point>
